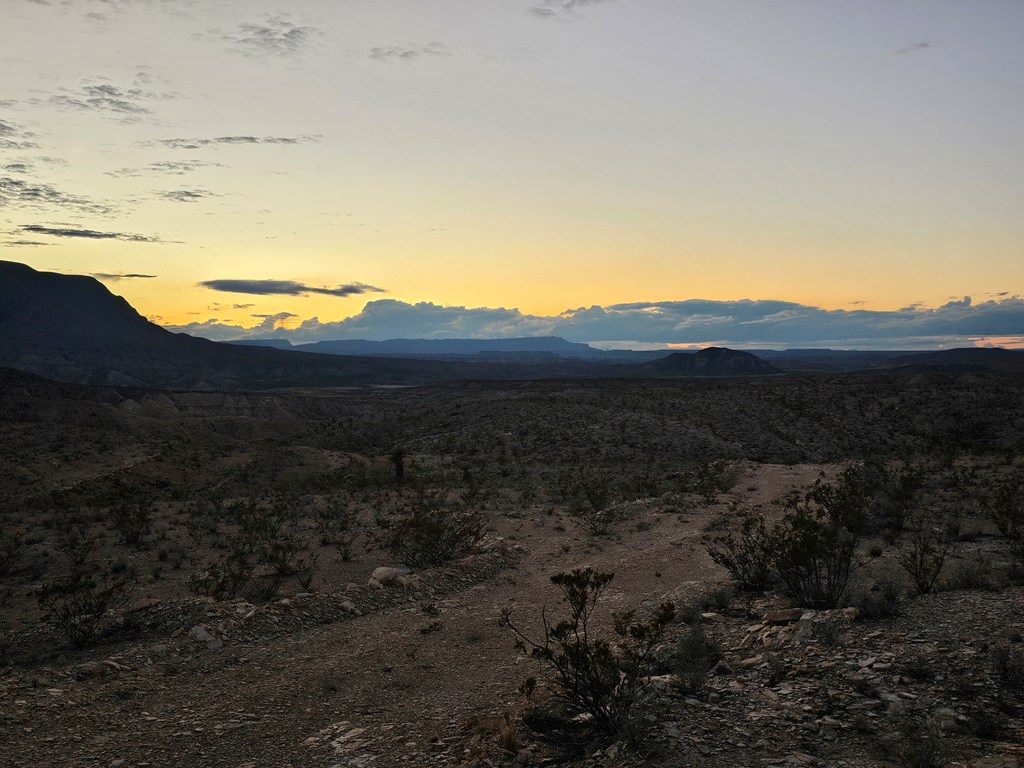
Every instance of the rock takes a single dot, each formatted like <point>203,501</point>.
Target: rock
<point>390,577</point>
<point>722,668</point>
<point>200,634</point>
<point>783,616</point>
<point>349,607</point>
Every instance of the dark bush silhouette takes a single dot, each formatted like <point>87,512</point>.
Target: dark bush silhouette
<point>587,674</point>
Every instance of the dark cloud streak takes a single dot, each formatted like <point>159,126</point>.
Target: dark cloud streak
<point>88,234</point>
<point>286,288</point>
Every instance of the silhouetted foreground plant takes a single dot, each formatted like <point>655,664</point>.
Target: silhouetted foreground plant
<point>587,674</point>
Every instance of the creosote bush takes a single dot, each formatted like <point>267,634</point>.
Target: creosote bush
<point>693,659</point>
<point>434,532</point>
<point>78,605</point>
<point>748,557</point>
<point>589,674</point>
<point>924,553</point>
<point>813,555</point>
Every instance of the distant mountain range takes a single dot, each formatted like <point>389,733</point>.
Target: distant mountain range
<point>70,328</point>
<point>517,349</point>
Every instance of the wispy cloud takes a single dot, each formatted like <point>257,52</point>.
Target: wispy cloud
<point>19,243</point>
<point>165,168</point>
<point>274,35</point>
<point>561,10</point>
<point>913,48</point>
<point>27,194</point>
<point>217,141</point>
<point>88,234</point>
<point>408,52</point>
<point>15,136</point>
<point>286,288</point>
<point>114,277</point>
<point>186,195</point>
<point>126,104</point>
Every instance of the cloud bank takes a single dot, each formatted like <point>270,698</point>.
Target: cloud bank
<point>742,323</point>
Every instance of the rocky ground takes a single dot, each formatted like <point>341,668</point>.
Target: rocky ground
<point>417,670</point>
<point>375,668</point>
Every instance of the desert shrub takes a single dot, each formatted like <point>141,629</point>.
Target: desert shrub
<point>1005,505</point>
<point>976,573</point>
<point>711,477</point>
<point>922,747</point>
<point>693,658</point>
<point>871,497</point>
<point>75,541</point>
<point>78,605</point>
<point>1008,667</point>
<point>336,522</point>
<point>828,633</point>
<point>265,549</point>
<point>813,555</point>
<point>10,549</point>
<point>749,556</point>
<point>880,602</point>
<point>589,675</point>
<point>132,520</point>
<point>987,725</point>
<point>924,553</point>
<point>432,533</point>
<point>220,580</point>
<point>601,521</point>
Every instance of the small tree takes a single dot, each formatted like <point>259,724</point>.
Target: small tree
<point>588,674</point>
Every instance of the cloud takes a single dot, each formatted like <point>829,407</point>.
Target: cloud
<point>561,10</point>
<point>186,195</point>
<point>14,136</point>
<point>126,104</point>
<point>274,35</point>
<point>286,288</point>
<point>231,141</point>
<point>114,277</point>
<point>89,234</point>
<point>913,48</point>
<point>165,167</point>
<point>741,323</point>
<point>25,243</point>
<point>26,194</point>
<point>242,306</point>
<point>17,168</point>
<point>408,52</point>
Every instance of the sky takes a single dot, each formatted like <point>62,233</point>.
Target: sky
<point>630,173</point>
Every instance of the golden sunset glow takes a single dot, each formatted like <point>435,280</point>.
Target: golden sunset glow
<point>529,155</point>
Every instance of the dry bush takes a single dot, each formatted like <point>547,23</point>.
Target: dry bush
<point>589,675</point>
<point>433,532</point>
<point>78,606</point>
